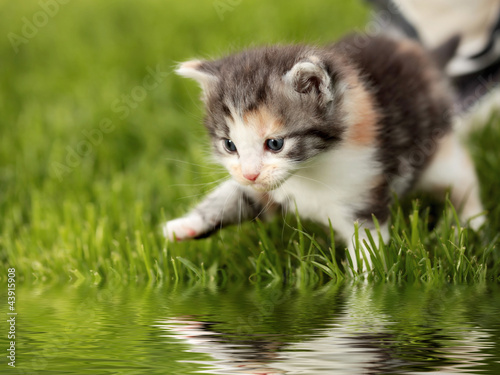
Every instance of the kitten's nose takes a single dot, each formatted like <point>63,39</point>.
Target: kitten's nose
<point>251,176</point>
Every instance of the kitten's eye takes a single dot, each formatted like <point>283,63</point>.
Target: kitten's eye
<point>275,144</point>
<point>229,145</point>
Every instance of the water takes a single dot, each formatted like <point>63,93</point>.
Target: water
<point>265,329</point>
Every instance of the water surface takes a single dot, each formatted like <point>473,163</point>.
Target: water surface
<point>263,329</point>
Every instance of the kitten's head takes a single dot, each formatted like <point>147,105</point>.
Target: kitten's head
<point>269,109</point>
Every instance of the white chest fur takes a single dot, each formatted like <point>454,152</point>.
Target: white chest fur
<point>332,186</point>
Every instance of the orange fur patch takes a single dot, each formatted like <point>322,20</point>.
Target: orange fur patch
<point>407,46</point>
<point>263,121</point>
<point>362,117</point>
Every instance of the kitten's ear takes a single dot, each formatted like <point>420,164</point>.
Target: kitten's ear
<point>196,69</point>
<point>307,76</point>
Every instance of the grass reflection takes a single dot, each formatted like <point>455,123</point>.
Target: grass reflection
<point>353,327</point>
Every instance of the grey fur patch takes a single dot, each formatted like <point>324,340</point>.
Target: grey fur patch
<point>298,84</point>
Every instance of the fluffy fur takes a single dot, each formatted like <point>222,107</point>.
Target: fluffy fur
<point>356,121</point>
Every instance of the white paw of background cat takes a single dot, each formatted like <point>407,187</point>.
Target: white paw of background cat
<point>477,222</point>
<point>184,228</point>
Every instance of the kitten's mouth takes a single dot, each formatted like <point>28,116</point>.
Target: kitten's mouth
<point>258,186</point>
<point>262,187</point>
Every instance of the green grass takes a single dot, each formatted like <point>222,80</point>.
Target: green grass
<point>96,217</point>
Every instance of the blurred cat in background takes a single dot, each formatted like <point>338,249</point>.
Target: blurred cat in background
<point>475,67</point>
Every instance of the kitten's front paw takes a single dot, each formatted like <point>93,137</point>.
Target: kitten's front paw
<point>183,228</point>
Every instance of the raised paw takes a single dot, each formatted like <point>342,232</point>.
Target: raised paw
<point>183,228</point>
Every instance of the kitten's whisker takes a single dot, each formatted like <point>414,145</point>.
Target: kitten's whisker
<point>215,167</point>
<point>314,180</point>
<point>201,184</point>
<point>265,208</point>
<point>217,181</point>
<point>229,196</point>
<point>239,213</point>
<point>211,184</point>
<point>285,222</point>
<point>284,212</point>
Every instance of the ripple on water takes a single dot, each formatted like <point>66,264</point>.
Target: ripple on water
<point>370,330</point>
<point>248,329</point>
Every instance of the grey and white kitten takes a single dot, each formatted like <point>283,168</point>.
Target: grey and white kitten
<point>331,131</point>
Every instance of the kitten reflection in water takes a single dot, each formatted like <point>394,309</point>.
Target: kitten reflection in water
<point>359,338</point>
<point>240,356</point>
